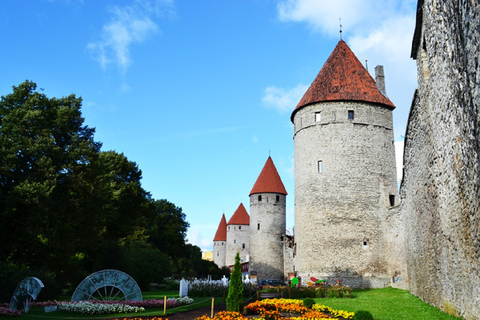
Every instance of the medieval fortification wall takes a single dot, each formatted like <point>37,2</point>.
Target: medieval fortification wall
<point>440,188</point>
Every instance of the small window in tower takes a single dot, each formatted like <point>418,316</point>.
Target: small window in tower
<point>392,200</point>
<point>234,241</point>
<point>320,166</point>
<point>351,115</point>
<point>317,117</point>
<point>218,254</point>
<point>260,198</point>
<point>278,198</point>
<point>258,226</point>
<point>228,227</point>
<point>334,116</point>
<point>239,227</point>
<point>365,243</point>
<point>243,246</point>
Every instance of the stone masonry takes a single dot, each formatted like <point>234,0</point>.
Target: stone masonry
<point>440,188</point>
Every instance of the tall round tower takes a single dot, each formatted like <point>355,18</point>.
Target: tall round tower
<point>220,243</point>
<point>267,224</point>
<point>238,236</point>
<point>345,175</point>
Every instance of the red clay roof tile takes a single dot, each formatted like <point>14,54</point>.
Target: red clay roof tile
<point>221,234</point>
<point>343,77</point>
<point>240,216</point>
<point>268,180</point>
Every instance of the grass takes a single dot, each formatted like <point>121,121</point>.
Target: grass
<point>387,304</point>
<point>384,304</point>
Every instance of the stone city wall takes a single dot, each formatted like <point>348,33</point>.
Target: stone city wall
<point>440,188</point>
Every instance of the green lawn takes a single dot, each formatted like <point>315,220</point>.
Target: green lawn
<point>388,304</point>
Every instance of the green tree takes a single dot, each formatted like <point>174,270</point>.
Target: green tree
<point>47,198</point>
<point>168,228</point>
<point>235,287</point>
<point>146,264</point>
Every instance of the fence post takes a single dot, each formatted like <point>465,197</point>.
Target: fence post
<point>213,304</point>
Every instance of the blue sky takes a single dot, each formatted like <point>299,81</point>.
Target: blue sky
<point>200,93</point>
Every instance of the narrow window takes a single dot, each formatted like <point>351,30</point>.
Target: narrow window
<point>317,117</point>
<point>258,226</point>
<point>217,254</point>
<point>243,246</point>
<point>351,115</point>
<point>334,116</point>
<point>228,227</point>
<point>392,200</point>
<point>278,198</point>
<point>234,241</point>
<point>260,198</point>
<point>320,166</point>
<point>239,227</point>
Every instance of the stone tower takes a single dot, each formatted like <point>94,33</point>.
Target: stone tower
<point>267,224</point>
<point>345,175</point>
<point>220,243</point>
<point>238,236</point>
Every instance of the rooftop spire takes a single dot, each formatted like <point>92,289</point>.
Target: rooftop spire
<point>221,234</point>
<point>343,78</point>
<point>240,216</point>
<point>340,21</point>
<point>269,180</point>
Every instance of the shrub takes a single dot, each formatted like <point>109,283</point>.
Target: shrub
<point>362,315</point>
<point>235,288</point>
<point>308,302</point>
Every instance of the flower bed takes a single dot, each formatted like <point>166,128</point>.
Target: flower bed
<point>279,309</point>
<point>89,307</point>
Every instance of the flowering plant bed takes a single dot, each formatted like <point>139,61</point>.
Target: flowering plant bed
<point>278,309</point>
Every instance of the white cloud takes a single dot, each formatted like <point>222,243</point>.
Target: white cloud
<point>128,25</point>
<point>283,99</point>
<point>399,145</point>
<point>196,238</point>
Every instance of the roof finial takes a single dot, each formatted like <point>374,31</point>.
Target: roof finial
<point>366,62</point>
<point>340,21</point>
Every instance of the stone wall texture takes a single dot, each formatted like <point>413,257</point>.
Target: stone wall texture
<point>341,212</point>
<point>238,241</point>
<point>219,253</point>
<point>441,184</point>
<point>267,233</point>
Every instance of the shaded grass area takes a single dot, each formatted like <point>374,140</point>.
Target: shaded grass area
<point>387,304</point>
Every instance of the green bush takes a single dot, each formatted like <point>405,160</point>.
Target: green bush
<point>146,264</point>
<point>308,302</point>
<point>11,276</point>
<point>362,315</point>
<point>235,287</point>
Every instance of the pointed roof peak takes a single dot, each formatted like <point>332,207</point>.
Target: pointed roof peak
<point>221,234</point>
<point>269,180</point>
<point>240,216</point>
<point>343,77</point>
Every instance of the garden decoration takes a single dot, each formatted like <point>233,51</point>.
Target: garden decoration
<point>108,285</point>
<point>25,293</point>
<point>295,281</point>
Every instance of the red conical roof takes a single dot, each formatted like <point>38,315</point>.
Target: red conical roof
<point>221,234</point>
<point>268,180</point>
<point>240,216</point>
<point>343,77</point>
